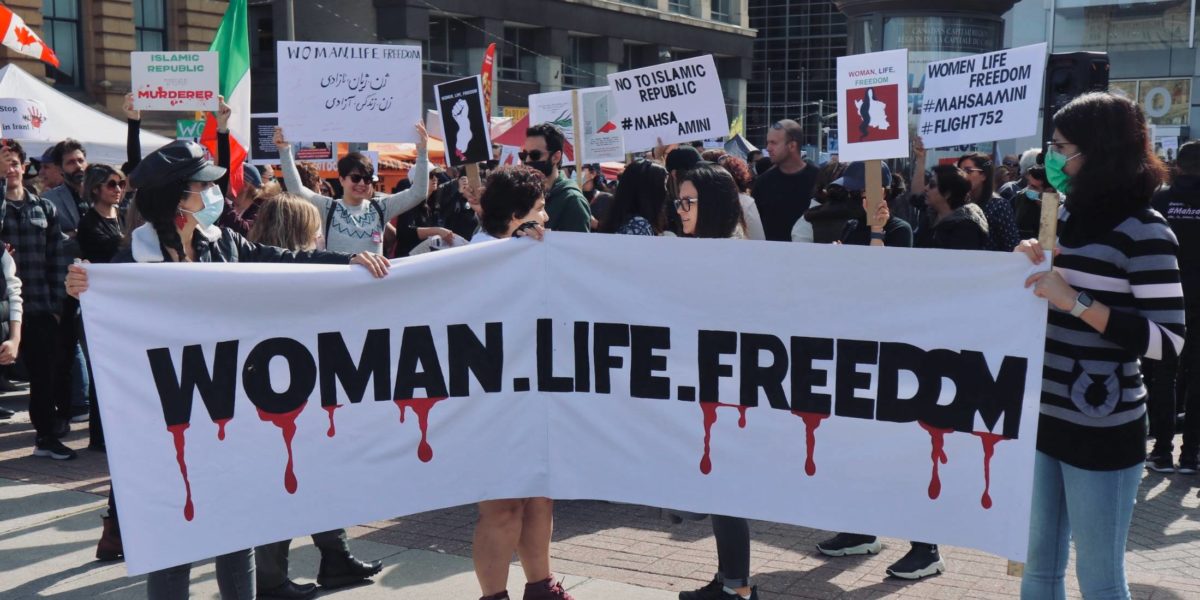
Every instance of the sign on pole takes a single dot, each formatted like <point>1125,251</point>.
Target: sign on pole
<point>983,98</point>
<point>873,105</point>
<point>679,101</point>
<point>601,137</point>
<point>466,126</point>
<point>349,92</point>
<point>175,80</point>
<point>23,119</point>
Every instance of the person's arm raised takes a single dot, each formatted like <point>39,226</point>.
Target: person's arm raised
<point>291,175</point>
<point>406,200</point>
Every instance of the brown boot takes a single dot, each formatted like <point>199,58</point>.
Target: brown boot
<point>110,547</point>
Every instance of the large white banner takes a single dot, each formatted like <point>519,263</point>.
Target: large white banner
<point>873,105</point>
<point>983,98</point>
<point>823,394</point>
<point>349,92</point>
<point>679,101</point>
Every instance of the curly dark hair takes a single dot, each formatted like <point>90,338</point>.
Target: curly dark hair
<point>310,177</point>
<point>510,193</point>
<point>718,209</point>
<point>740,171</point>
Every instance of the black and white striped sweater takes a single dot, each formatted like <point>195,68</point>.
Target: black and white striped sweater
<point>1093,412</point>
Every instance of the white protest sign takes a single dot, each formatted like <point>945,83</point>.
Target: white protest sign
<point>349,92</point>
<point>555,108</point>
<point>679,101</point>
<point>873,105</point>
<point>983,98</point>
<point>175,80</point>
<point>300,412</point>
<point>23,119</point>
<point>602,139</point>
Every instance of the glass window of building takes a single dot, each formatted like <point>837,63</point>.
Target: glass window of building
<point>683,7</point>
<point>445,50</point>
<point>60,30</point>
<point>517,61</point>
<point>150,24</point>
<point>723,11</point>
<point>1120,25</point>
<point>575,72</point>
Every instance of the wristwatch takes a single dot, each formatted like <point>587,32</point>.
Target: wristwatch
<point>1082,302</point>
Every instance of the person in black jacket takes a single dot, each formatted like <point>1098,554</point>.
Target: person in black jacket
<point>180,201</point>
<point>951,221</point>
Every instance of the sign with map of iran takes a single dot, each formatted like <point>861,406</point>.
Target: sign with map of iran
<point>873,105</point>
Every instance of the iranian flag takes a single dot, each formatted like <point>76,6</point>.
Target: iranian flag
<point>19,37</point>
<point>233,44</point>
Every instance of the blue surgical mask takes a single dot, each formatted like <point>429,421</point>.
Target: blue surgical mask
<point>1033,194</point>
<point>214,205</point>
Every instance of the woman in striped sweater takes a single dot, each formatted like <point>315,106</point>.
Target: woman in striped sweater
<point>1114,297</point>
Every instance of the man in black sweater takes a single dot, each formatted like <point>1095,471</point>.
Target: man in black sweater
<point>782,194</point>
<point>1181,206</point>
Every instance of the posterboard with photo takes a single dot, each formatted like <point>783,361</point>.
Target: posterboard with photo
<point>873,105</point>
<point>680,101</point>
<point>264,152</point>
<point>983,97</point>
<point>175,80</point>
<point>468,135</point>
<point>349,92</point>
<point>555,108</point>
<point>23,119</point>
<point>602,139</point>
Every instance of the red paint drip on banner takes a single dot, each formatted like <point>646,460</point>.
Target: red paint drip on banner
<point>221,428</point>
<point>421,406</point>
<point>811,422</point>
<point>189,510</point>
<point>332,428</point>
<point>989,448</point>
<point>287,423</point>
<point>710,417</point>
<point>937,436</point>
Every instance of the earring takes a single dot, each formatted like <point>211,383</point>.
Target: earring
<point>180,220</point>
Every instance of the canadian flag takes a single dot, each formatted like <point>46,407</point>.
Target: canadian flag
<point>19,37</point>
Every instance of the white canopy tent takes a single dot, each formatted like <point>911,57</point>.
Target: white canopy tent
<point>102,135</point>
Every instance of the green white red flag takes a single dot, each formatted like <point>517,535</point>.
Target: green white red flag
<point>233,43</point>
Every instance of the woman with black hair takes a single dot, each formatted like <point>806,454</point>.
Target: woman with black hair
<point>708,207</point>
<point>180,201</point>
<point>1115,297</point>
<point>1002,225</point>
<point>637,207</point>
<point>951,221</point>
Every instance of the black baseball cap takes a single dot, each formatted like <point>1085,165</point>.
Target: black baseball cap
<point>181,160</point>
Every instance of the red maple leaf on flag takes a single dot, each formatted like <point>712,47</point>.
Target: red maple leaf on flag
<point>25,36</point>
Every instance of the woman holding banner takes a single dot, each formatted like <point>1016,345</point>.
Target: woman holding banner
<point>178,197</point>
<point>1115,296</point>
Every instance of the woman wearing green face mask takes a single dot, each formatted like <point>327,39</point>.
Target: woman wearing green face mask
<point>1115,297</point>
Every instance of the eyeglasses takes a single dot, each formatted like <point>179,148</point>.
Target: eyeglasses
<point>359,178</point>
<point>1056,146</point>
<point>114,184</point>
<point>532,155</point>
<point>685,204</point>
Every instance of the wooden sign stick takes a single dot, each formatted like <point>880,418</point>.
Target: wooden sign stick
<point>874,191</point>
<point>576,116</point>
<point>473,176</point>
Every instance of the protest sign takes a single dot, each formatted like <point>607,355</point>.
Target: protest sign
<point>175,80</point>
<point>602,141</point>
<point>679,101</point>
<point>301,412</point>
<point>983,98</point>
<point>264,152</point>
<point>23,119</point>
<point>556,109</point>
<point>467,128</point>
<point>873,105</point>
<point>189,129</point>
<point>349,92</point>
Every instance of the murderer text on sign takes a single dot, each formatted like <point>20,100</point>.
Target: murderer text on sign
<point>679,101</point>
<point>299,412</point>
<point>349,92</point>
<point>182,81</point>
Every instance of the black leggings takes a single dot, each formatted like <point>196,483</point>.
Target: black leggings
<point>733,550</point>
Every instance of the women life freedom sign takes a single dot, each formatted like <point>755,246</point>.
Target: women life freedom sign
<point>873,105</point>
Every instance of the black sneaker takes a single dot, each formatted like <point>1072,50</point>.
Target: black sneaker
<point>849,544</point>
<point>713,591</point>
<point>52,448</point>
<point>7,386</point>
<point>1160,463</point>
<point>6,414</point>
<point>1188,465</point>
<point>922,560</point>
<point>79,414</point>
<point>62,427</point>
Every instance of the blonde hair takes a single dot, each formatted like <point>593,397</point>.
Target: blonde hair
<point>286,221</point>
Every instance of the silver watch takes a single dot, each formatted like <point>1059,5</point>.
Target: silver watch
<point>1082,302</point>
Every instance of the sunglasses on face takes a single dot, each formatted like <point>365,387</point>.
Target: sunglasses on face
<point>684,204</point>
<point>114,184</point>
<point>359,178</point>
<point>532,155</point>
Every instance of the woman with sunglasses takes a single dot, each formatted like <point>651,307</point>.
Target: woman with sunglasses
<point>178,197</point>
<point>708,207</point>
<point>357,221</point>
<point>1115,297</point>
<point>1002,224</point>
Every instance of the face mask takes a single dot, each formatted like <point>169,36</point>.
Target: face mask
<point>1055,163</point>
<point>546,167</point>
<point>214,204</point>
<point>1033,194</point>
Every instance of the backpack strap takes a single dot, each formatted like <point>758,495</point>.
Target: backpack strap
<point>379,209</point>
<point>329,219</point>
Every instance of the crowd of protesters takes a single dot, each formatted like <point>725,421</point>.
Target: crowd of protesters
<point>1127,281</point>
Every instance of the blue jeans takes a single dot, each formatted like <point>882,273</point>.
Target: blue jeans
<point>235,579</point>
<point>1093,507</point>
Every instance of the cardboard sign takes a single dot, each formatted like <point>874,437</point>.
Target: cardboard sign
<point>264,152</point>
<point>555,108</point>
<point>679,101</point>
<point>349,92</point>
<point>175,80</point>
<point>189,129</point>
<point>873,105</point>
<point>23,119</point>
<point>983,98</point>
<point>602,139</point>
<point>468,133</point>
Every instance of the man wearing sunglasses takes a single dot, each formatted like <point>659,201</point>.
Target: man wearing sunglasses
<point>565,204</point>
